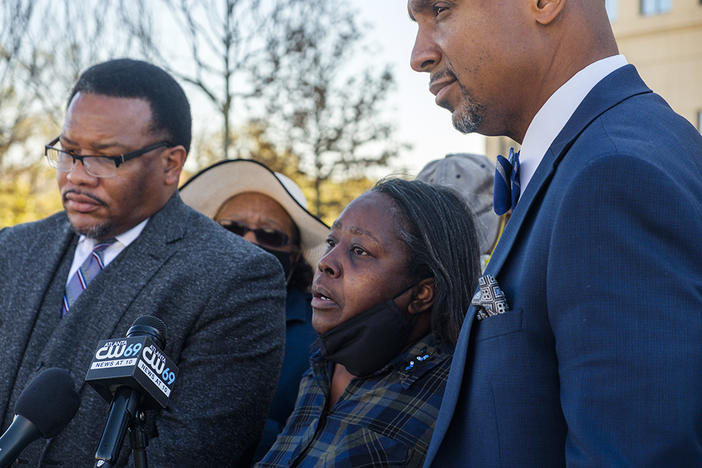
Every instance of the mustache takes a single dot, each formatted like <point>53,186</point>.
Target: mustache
<point>85,194</point>
<point>448,72</point>
<point>441,75</point>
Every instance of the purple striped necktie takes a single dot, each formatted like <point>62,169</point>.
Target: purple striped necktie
<point>85,274</point>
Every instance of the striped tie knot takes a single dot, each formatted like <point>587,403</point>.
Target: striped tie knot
<point>85,274</point>
<point>506,188</point>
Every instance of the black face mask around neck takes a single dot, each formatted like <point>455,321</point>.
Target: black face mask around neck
<point>365,343</point>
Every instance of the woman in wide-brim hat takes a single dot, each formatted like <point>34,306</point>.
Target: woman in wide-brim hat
<point>269,210</point>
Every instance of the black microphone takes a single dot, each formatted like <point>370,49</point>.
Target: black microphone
<point>134,374</point>
<point>43,409</point>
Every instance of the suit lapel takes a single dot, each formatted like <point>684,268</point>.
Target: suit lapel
<point>613,89</point>
<point>35,271</point>
<point>38,267</point>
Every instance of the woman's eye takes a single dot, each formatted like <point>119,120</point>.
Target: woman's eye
<point>358,251</point>
<point>330,243</point>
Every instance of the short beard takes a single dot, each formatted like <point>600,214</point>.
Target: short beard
<point>98,231</point>
<point>469,116</point>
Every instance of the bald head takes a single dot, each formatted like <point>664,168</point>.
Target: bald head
<point>493,64</point>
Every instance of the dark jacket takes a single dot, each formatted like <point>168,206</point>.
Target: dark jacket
<point>220,298</point>
<point>599,362</point>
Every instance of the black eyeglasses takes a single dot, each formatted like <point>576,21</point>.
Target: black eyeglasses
<point>96,166</point>
<point>265,236</point>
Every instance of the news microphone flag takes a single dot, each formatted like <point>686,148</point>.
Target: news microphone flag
<point>136,362</point>
<point>133,374</point>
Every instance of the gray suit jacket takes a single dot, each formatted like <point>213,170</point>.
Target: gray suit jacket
<point>222,300</point>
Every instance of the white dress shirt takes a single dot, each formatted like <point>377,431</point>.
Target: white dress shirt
<point>86,244</point>
<point>554,114</point>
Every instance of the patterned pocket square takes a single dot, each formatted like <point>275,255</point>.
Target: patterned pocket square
<point>489,300</point>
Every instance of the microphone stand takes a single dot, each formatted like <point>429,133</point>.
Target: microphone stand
<point>107,452</point>
<point>138,440</point>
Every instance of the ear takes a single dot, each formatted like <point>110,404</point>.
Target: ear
<point>422,296</point>
<point>546,11</point>
<point>173,159</point>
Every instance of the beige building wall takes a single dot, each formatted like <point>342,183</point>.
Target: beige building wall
<point>666,49</point>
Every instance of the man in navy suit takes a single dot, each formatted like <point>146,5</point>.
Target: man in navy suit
<point>584,343</point>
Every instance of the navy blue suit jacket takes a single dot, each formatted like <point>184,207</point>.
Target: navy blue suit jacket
<point>599,362</point>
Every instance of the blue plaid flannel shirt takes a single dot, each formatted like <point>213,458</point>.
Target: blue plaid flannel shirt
<point>383,420</point>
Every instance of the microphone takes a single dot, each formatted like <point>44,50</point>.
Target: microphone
<point>133,373</point>
<point>43,409</point>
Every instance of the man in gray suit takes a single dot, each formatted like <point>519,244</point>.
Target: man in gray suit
<point>118,159</point>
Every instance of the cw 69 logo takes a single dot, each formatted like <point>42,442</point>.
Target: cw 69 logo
<point>157,362</point>
<point>168,376</point>
<point>114,350</point>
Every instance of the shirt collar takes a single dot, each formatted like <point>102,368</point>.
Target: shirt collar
<point>126,238</point>
<point>556,112</point>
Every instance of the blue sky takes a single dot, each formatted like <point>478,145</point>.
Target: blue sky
<point>419,121</point>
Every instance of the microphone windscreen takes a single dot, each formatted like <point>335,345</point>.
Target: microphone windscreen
<point>49,401</point>
<point>147,325</point>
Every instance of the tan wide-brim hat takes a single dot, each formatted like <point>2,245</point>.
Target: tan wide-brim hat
<point>207,190</point>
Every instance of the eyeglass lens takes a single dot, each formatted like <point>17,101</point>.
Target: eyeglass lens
<point>265,236</point>
<point>94,165</point>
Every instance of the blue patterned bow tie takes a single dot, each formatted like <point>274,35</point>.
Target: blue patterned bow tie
<point>507,188</point>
